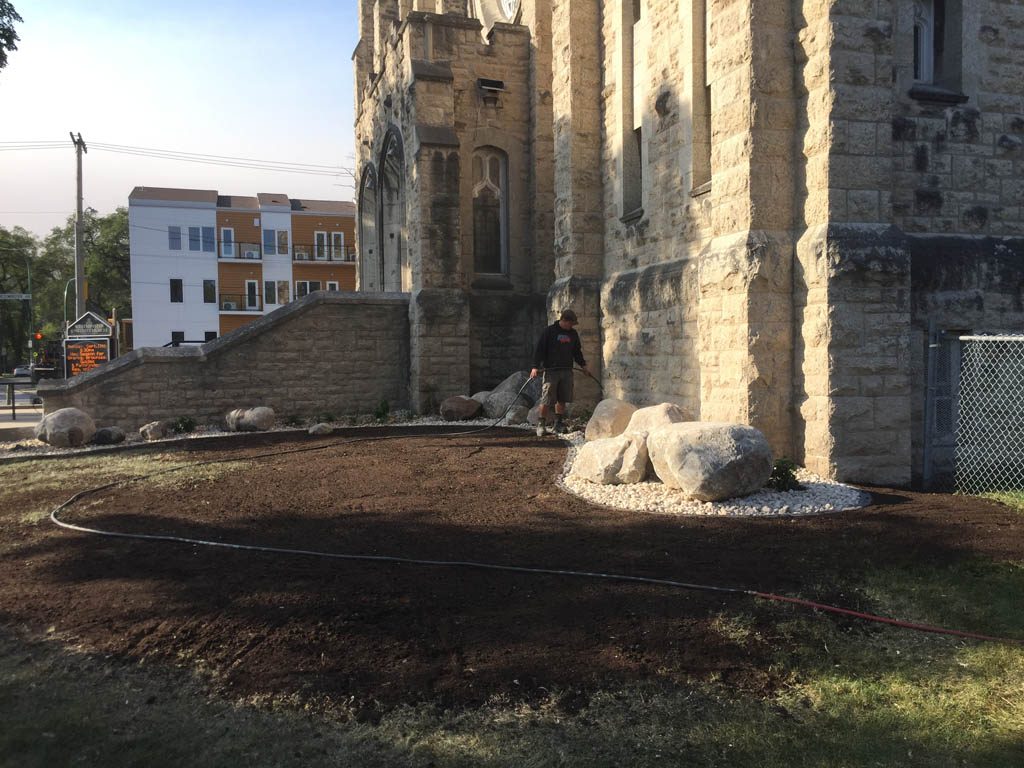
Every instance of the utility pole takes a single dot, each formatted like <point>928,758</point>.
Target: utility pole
<point>79,231</point>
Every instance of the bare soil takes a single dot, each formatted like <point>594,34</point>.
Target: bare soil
<point>379,635</point>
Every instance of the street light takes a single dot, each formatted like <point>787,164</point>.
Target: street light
<point>66,286</point>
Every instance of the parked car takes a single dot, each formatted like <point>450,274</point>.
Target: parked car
<point>22,370</point>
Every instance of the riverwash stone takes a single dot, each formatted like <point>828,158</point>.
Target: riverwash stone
<point>610,418</point>
<point>612,460</point>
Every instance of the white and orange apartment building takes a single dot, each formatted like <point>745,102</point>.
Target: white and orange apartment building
<point>204,264</point>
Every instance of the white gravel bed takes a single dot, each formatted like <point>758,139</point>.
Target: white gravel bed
<point>820,497</point>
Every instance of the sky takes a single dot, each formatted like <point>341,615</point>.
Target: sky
<point>255,79</point>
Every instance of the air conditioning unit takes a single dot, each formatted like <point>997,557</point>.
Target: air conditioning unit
<point>250,254</point>
<point>229,305</point>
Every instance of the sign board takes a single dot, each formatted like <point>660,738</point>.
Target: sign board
<point>89,325</point>
<point>16,296</point>
<point>83,355</point>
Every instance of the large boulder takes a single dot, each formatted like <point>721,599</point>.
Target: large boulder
<point>66,428</point>
<point>710,461</point>
<point>154,430</point>
<point>611,417</point>
<point>321,428</point>
<point>613,460</point>
<point>517,414</point>
<point>481,396</point>
<point>250,419</point>
<point>506,394</point>
<point>460,408</point>
<point>108,436</point>
<point>654,416</point>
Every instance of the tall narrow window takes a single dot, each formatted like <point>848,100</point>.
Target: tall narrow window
<point>177,292</point>
<point>194,238</point>
<point>701,99</point>
<point>938,47</point>
<point>490,211</point>
<point>269,242</point>
<point>320,245</point>
<point>252,294</point>
<point>209,240</point>
<point>209,291</point>
<point>338,246</point>
<point>269,292</point>
<point>282,242</point>
<point>227,242</point>
<point>282,291</point>
<point>174,238</point>
<point>633,78</point>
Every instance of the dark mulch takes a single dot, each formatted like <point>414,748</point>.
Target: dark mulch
<point>380,634</point>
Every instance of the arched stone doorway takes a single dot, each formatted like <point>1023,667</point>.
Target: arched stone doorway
<point>392,212</point>
<point>370,267</point>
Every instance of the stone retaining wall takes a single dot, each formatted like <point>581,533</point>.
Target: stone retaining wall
<point>325,353</point>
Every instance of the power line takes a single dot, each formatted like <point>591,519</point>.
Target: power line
<point>218,157</point>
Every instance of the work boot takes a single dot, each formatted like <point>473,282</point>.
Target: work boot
<point>559,427</point>
<point>540,429</point>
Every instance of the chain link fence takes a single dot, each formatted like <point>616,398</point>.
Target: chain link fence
<point>990,424</point>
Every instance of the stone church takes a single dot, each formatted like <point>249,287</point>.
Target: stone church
<point>777,212</point>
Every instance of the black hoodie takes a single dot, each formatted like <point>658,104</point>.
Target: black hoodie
<point>558,348</point>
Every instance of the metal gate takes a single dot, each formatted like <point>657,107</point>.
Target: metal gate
<point>990,427</point>
<point>940,409</point>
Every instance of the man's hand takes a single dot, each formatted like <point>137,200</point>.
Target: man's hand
<point>533,373</point>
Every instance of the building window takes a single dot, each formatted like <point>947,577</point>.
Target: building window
<point>209,291</point>
<point>195,238</point>
<point>338,246</point>
<point>210,335</point>
<point>269,292</point>
<point>252,294</point>
<point>282,291</point>
<point>174,238</point>
<point>320,245</point>
<point>937,43</point>
<point>177,292</point>
<point>177,337</point>
<point>701,100</point>
<point>269,242</point>
<point>634,44</point>
<point>490,211</point>
<point>282,242</point>
<point>306,287</point>
<point>209,240</point>
<point>227,242</point>
<point>332,285</point>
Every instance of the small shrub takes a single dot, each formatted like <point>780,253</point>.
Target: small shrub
<point>183,425</point>
<point>783,477</point>
<point>382,411</point>
<point>326,417</point>
<point>292,421</point>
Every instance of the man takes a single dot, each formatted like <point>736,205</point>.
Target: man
<point>557,348</point>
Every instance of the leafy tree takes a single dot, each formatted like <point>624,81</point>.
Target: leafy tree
<point>17,249</point>
<point>8,37</point>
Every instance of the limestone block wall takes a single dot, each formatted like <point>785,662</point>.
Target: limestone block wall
<point>960,166</point>
<point>326,352</point>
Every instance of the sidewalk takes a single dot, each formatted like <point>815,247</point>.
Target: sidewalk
<point>23,426</point>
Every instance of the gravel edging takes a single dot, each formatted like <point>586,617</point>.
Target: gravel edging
<point>820,497</point>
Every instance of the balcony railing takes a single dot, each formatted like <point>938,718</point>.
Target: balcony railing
<point>241,251</point>
<point>323,253</point>
<point>241,302</point>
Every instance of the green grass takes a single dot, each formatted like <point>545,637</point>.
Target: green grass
<point>1014,499</point>
<point>853,694</point>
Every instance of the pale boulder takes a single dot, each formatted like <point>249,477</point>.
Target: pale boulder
<point>154,430</point>
<point>322,428</point>
<point>654,416</point>
<point>610,419</point>
<point>250,419</point>
<point>613,460</point>
<point>459,408</point>
<point>710,461</point>
<point>66,428</point>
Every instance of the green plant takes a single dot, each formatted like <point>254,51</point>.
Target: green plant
<point>292,421</point>
<point>326,417</point>
<point>783,477</point>
<point>382,410</point>
<point>183,425</point>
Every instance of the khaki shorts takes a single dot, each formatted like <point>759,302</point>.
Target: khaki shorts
<point>557,387</point>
